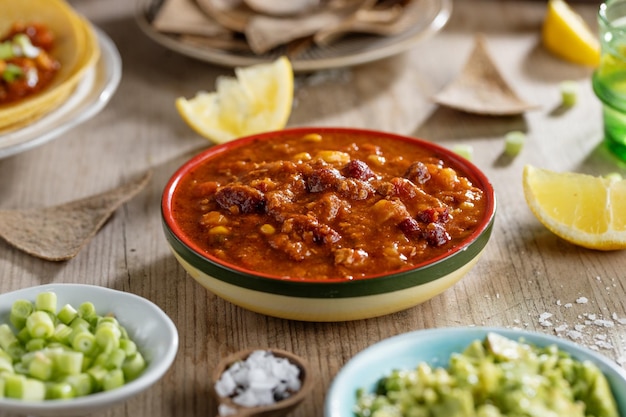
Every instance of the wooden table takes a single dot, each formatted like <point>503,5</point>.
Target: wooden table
<point>527,278</point>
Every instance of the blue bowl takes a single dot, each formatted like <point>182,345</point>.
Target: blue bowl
<point>435,346</point>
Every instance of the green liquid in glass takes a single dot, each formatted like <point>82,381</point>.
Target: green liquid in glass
<point>609,84</point>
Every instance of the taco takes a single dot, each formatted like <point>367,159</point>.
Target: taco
<point>74,47</point>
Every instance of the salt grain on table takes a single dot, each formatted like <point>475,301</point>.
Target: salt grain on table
<point>262,379</point>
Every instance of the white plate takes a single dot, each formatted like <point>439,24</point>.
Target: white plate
<point>348,51</point>
<point>89,98</point>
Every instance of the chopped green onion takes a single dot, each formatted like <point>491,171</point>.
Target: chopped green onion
<point>6,50</point>
<point>84,341</point>
<point>569,93</point>
<point>514,142</point>
<point>25,46</point>
<point>46,301</point>
<point>12,72</point>
<point>69,362</point>
<point>466,151</point>
<point>81,384</point>
<point>40,325</point>
<point>20,310</point>
<point>614,176</point>
<point>67,314</point>
<point>113,379</point>
<point>133,366</point>
<point>40,367</point>
<point>59,390</point>
<point>7,338</point>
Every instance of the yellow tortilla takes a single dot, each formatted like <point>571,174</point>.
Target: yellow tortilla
<point>75,47</point>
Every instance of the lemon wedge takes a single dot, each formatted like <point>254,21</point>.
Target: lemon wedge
<point>567,35</point>
<point>582,209</point>
<point>258,99</point>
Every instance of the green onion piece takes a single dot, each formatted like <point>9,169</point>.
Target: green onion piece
<point>129,347</point>
<point>25,46</point>
<point>115,359</point>
<point>80,323</point>
<point>46,301</point>
<point>88,312</point>
<point>81,384</point>
<point>69,362</point>
<point>514,142</point>
<point>108,336</point>
<point>7,338</point>
<point>40,325</point>
<point>6,50</point>
<point>569,93</point>
<point>40,367</point>
<point>466,151</point>
<point>20,310</point>
<point>6,363</point>
<point>133,366</point>
<point>24,335</point>
<point>15,385</point>
<point>12,72</point>
<point>97,374</point>
<point>113,379</point>
<point>84,341</point>
<point>614,176</point>
<point>59,390</point>
<point>35,344</point>
<point>66,314</point>
<point>62,334</point>
<point>21,387</point>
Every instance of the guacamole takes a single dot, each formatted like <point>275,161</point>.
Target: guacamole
<point>494,377</point>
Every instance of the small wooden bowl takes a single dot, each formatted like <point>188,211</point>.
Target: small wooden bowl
<point>278,409</point>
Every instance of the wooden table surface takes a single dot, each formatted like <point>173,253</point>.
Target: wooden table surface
<point>527,278</point>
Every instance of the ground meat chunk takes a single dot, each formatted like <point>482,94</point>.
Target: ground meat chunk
<point>329,207</point>
<point>309,229</point>
<point>358,169</point>
<point>323,179</point>
<point>417,173</point>
<point>436,235</point>
<point>240,198</point>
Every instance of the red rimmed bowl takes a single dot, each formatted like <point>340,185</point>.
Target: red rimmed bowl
<point>278,282</point>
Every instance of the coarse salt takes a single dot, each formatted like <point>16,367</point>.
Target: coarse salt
<point>262,379</point>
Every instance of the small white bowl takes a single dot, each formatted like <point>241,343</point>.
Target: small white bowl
<point>434,346</point>
<point>148,326</point>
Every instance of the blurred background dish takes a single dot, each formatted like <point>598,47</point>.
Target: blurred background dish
<point>74,46</point>
<point>148,326</point>
<point>430,17</point>
<point>434,346</point>
<point>91,94</point>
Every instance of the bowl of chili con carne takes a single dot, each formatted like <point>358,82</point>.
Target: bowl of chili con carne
<point>327,224</point>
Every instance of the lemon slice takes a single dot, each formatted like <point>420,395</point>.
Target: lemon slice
<point>582,209</point>
<point>568,36</point>
<point>258,100</point>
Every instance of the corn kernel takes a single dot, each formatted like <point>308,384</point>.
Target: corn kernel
<point>377,160</point>
<point>219,230</point>
<point>334,157</point>
<point>267,229</point>
<point>312,137</point>
<point>214,218</point>
<point>302,156</point>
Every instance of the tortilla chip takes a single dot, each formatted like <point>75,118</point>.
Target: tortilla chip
<point>58,233</point>
<point>481,89</point>
<point>184,16</point>
<point>76,48</point>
